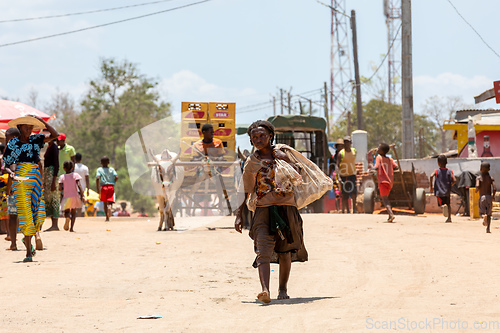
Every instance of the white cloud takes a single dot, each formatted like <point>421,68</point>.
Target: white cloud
<point>185,86</point>
<point>450,84</point>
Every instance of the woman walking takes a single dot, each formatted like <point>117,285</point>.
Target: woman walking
<point>276,226</point>
<point>22,160</point>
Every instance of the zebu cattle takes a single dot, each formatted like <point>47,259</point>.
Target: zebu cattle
<point>166,179</point>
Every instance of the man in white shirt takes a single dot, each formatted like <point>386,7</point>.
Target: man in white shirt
<point>83,171</point>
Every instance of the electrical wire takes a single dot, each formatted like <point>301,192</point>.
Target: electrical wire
<point>386,55</point>
<point>253,105</point>
<point>83,13</point>
<point>334,9</point>
<point>268,104</point>
<point>470,25</point>
<point>252,110</point>
<point>103,25</point>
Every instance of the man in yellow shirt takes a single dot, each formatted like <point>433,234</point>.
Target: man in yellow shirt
<point>347,171</point>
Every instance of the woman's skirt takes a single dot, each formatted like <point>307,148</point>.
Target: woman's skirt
<point>71,203</point>
<point>52,201</point>
<point>268,244</point>
<point>29,199</point>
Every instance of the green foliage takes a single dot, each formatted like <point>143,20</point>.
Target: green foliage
<point>383,122</point>
<point>119,102</point>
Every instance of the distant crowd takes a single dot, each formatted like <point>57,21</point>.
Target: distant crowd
<point>33,188</point>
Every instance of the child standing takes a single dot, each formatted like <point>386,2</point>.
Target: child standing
<point>106,181</point>
<point>83,171</point>
<point>72,198</point>
<point>486,187</point>
<point>385,167</point>
<point>442,185</point>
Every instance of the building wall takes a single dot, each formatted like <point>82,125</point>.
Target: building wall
<point>456,164</point>
<point>494,143</point>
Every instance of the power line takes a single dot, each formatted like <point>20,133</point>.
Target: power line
<point>334,9</point>
<point>267,105</point>
<point>253,105</point>
<point>102,25</point>
<point>82,13</point>
<point>388,51</point>
<point>256,109</point>
<point>470,25</point>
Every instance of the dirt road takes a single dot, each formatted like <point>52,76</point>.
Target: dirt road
<point>363,275</point>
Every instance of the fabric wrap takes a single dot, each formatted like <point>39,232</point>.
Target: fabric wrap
<point>315,183</point>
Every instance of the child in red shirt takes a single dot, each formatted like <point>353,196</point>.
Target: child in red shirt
<point>385,167</point>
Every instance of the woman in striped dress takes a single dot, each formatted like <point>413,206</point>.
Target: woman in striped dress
<point>22,161</point>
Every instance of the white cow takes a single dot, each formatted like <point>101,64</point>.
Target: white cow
<point>166,179</point>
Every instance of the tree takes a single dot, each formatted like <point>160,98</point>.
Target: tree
<point>439,110</point>
<point>383,122</point>
<point>64,108</point>
<point>119,102</point>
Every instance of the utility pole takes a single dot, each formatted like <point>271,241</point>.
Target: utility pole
<point>407,78</point>
<point>289,104</point>
<point>359,106</point>
<point>274,106</point>
<point>281,97</point>
<point>300,105</point>
<point>326,113</point>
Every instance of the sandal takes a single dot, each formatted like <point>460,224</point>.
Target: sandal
<point>28,259</point>
<point>33,251</point>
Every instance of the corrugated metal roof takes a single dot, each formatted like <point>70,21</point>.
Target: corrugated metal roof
<point>484,119</point>
<point>464,114</point>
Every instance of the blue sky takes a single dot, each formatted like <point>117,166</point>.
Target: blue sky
<point>241,51</point>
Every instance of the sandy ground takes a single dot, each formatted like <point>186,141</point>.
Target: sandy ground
<point>418,274</point>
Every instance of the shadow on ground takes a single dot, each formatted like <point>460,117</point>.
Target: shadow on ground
<point>297,300</point>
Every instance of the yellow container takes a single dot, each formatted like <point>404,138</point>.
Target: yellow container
<point>473,203</point>
<point>221,111</point>
<point>194,111</point>
<point>187,151</point>
<point>194,106</point>
<point>230,150</point>
<point>191,129</point>
<point>224,129</point>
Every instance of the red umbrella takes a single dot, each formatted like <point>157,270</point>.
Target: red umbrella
<point>11,110</point>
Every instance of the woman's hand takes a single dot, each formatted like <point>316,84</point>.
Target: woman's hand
<point>238,223</point>
<point>280,155</point>
<point>37,117</point>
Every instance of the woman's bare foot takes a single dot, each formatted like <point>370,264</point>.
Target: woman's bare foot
<point>12,248</point>
<point>283,295</point>
<point>66,224</point>
<point>264,297</point>
<point>38,244</point>
<point>52,229</point>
